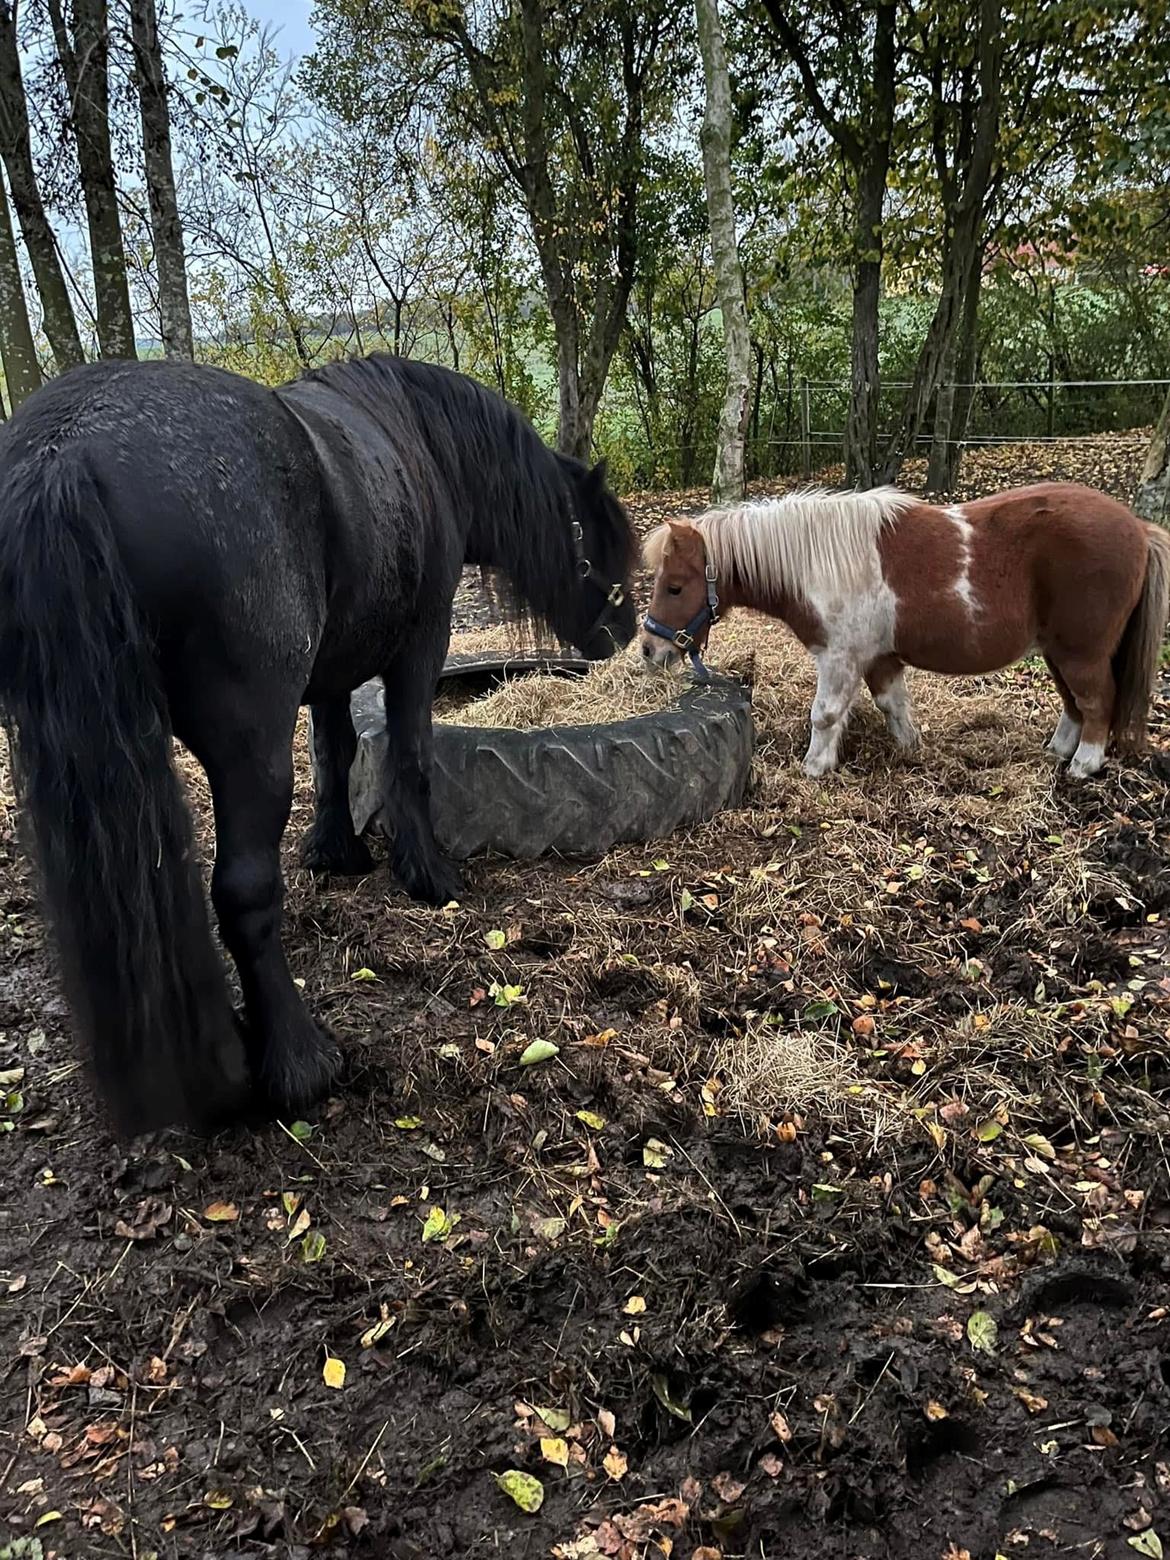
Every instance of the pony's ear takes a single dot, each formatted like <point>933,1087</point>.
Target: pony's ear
<point>654,546</point>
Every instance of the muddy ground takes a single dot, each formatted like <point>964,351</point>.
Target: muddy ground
<point>839,1225</point>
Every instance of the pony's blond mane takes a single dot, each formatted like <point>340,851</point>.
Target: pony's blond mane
<point>813,543</point>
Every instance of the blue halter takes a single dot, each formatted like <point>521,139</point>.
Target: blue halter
<point>684,639</point>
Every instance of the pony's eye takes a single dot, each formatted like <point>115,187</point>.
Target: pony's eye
<point>674,590</point>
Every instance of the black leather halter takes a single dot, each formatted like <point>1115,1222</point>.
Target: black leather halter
<point>684,639</point>
<point>615,593</point>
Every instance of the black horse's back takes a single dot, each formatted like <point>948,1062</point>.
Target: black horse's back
<point>81,696</point>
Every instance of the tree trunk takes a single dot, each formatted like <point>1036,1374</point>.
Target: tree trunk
<point>22,369</point>
<point>16,150</point>
<point>872,167</point>
<point>953,406</point>
<point>728,481</point>
<point>169,258</point>
<point>1152,500</point>
<point>85,61</point>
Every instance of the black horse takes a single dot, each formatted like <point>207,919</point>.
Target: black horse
<point>183,551</point>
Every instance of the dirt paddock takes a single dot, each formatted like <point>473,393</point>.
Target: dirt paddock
<point>838,1224</point>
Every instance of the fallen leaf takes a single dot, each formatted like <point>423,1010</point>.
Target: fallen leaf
<point>313,1246</point>
<point>527,1492</point>
<point>554,1449</point>
<point>439,1224</point>
<point>495,939</point>
<point>615,1463</point>
<point>221,1213</point>
<point>1147,1543</point>
<point>727,1488</point>
<point>591,1119</point>
<point>982,1332</point>
<point>1033,1403</point>
<point>363,974</point>
<point>935,1411</point>
<point>635,1305</point>
<point>333,1372</point>
<point>149,1218</point>
<point>606,1423</point>
<point>662,1393</point>
<point>539,1051</point>
<point>655,1153</point>
<point>557,1419</point>
<point>781,1429</point>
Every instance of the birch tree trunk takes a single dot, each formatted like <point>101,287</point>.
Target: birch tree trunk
<point>169,258</point>
<point>85,61</point>
<point>16,150</point>
<point>1152,500</point>
<point>22,369</point>
<point>728,481</point>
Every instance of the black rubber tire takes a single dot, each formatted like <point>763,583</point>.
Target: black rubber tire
<point>573,790</point>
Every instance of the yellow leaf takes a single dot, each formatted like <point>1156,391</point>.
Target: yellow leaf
<point>554,1449</point>
<point>300,1224</point>
<point>591,1119</point>
<point>615,1463</point>
<point>935,1410</point>
<point>49,1516</point>
<point>635,1305</point>
<point>333,1373</point>
<point>439,1224</point>
<point>527,1492</point>
<point>221,1213</point>
<point>218,1500</point>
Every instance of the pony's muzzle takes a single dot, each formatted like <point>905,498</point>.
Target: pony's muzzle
<point>659,652</point>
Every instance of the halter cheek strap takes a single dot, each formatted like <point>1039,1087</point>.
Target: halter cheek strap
<point>615,593</point>
<point>684,639</point>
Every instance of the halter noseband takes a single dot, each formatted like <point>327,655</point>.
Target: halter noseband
<point>684,638</point>
<point>615,593</point>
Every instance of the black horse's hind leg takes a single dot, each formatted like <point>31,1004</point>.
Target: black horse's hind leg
<point>330,844</point>
<point>418,863</point>
<point>251,776</point>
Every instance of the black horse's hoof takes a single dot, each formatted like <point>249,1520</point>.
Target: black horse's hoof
<point>293,1079</point>
<point>434,883</point>
<point>335,852</point>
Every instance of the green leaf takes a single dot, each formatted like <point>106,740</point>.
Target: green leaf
<point>1147,1543</point>
<point>687,901</point>
<point>527,1492</point>
<point>557,1419</point>
<point>591,1119</point>
<point>408,1123</point>
<point>982,1332</point>
<point>439,1224</point>
<point>818,1010</point>
<point>661,865</point>
<point>313,1246</point>
<point>302,1131</point>
<point>662,1393</point>
<point>505,996</point>
<point>988,1131</point>
<point>655,1154</point>
<point>944,1276</point>
<point>495,939</point>
<point>539,1051</point>
<point>363,974</point>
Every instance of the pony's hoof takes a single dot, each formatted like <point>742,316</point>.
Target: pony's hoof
<point>333,853</point>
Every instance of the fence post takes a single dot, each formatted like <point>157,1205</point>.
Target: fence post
<point>1051,394</point>
<point>805,432</point>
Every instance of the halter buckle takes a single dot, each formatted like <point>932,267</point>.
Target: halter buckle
<point>616,596</point>
<point>684,640</point>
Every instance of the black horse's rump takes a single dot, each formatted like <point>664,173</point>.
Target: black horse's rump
<point>184,552</point>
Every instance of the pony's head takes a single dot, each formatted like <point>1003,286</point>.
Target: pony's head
<point>683,604</point>
<point>599,618</point>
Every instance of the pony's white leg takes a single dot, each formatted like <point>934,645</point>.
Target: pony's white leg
<point>838,678</point>
<point>894,702</point>
<point>1089,759</point>
<point>1066,738</point>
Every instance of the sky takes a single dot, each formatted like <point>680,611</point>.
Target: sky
<point>291,17</point>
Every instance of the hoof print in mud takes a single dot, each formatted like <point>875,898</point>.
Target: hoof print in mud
<point>575,790</point>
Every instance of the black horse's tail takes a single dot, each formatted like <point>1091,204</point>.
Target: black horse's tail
<point>82,700</point>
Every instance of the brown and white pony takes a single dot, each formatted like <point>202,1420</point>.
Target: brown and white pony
<point>874,582</point>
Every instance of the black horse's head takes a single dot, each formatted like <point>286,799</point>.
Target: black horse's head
<point>599,618</point>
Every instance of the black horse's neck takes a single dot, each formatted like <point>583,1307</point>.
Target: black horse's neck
<point>509,493</point>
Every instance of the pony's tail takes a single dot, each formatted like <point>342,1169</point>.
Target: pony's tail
<point>82,701</point>
<point>1135,665</point>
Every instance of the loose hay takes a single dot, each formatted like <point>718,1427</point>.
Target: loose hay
<point>610,691</point>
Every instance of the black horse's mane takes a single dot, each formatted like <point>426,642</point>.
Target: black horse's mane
<point>494,462</point>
